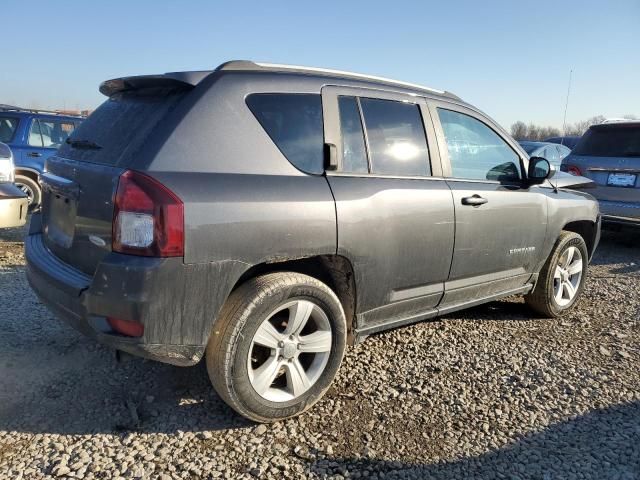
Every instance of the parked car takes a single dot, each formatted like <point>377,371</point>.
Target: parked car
<point>569,141</point>
<point>269,215</point>
<point>13,202</point>
<point>551,151</point>
<point>33,136</point>
<point>609,154</point>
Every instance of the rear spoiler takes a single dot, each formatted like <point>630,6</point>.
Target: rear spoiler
<point>180,80</point>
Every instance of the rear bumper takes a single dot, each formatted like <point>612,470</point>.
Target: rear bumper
<point>145,289</point>
<point>621,213</point>
<point>13,206</point>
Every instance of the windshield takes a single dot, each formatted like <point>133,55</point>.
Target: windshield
<point>610,141</point>
<point>8,126</point>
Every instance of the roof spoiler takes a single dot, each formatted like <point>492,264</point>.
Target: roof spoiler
<point>180,80</point>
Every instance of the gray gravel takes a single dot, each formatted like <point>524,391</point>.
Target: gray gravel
<point>486,393</point>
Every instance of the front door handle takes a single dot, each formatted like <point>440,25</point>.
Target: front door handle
<point>475,200</point>
<point>34,154</point>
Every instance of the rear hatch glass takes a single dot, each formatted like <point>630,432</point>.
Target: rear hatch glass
<point>81,179</point>
<point>119,127</point>
<point>610,141</point>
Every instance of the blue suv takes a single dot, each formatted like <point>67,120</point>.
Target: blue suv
<point>33,135</point>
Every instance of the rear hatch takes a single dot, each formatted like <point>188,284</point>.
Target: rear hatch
<point>609,154</point>
<point>80,182</point>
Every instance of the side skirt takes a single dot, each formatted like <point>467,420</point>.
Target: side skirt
<point>364,332</point>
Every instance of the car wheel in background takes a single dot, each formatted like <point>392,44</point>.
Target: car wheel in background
<point>562,278</point>
<point>276,346</point>
<point>31,188</point>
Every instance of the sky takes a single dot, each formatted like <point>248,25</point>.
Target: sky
<point>509,58</point>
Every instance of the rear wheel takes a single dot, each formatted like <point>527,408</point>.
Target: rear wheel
<point>276,346</point>
<point>31,189</point>
<point>562,278</point>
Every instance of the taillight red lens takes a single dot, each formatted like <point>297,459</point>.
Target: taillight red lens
<point>126,327</point>
<point>573,170</point>
<point>148,218</point>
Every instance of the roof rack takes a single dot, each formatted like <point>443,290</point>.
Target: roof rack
<point>275,67</point>
<point>11,108</point>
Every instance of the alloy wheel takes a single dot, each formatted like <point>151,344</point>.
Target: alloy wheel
<point>289,351</point>
<point>567,276</point>
<point>27,190</point>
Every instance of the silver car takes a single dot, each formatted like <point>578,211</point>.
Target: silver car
<point>609,154</point>
<point>13,202</point>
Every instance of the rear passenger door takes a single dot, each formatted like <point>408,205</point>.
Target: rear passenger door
<point>394,210</point>
<point>500,222</point>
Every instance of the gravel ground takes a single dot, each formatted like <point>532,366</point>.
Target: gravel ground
<point>486,393</point>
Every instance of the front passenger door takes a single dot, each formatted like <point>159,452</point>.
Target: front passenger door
<point>500,223</point>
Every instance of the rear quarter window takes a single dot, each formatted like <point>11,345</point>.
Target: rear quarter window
<point>294,122</point>
<point>8,127</point>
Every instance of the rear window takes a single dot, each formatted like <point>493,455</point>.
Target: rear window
<point>610,141</point>
<point>120,126</point>
<point>294,123</point>
<point>8,126</point>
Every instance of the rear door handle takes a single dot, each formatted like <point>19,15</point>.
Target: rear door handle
<point>34,154</point>
<point>475,200</point>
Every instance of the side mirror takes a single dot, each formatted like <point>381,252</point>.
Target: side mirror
<point>539,170</point>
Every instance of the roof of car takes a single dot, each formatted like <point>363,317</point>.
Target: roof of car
<point>193,78</point>
<point>30,111</point>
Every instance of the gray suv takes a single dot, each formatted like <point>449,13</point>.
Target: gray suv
<point>266,216</point>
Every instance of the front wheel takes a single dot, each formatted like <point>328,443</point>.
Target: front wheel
<point>562,278</point>
<point>276,346</point>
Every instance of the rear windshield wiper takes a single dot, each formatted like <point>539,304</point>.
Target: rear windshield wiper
<point>87,144</point>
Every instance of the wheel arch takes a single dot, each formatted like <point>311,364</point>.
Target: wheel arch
<point>335,271</point>
<point>588,230</point>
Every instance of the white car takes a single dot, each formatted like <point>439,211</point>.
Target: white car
<point>13,201</point>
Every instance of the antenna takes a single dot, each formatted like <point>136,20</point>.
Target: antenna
<point>566,106</point>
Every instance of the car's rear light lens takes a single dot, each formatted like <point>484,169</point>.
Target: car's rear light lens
<point>572,169</point>
<point>126,327</point>
<point>148,218</point>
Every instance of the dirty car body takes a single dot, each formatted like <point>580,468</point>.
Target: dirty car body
<point>398,246</point>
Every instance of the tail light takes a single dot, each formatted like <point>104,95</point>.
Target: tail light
<point>148,218</point>
<point>128,328</point>
<point>572,169</point>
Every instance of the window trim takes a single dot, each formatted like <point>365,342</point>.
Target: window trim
<point>433,106</point>
<point>332,134</point>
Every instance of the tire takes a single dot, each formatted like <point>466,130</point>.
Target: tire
<point>31,187</point>
<point>544,298</point>
<point>238,358</point>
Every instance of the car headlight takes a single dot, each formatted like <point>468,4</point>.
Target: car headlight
<point>6,170</point>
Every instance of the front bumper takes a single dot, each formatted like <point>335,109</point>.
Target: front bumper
<point>13,206</point>
<point>149,290</point>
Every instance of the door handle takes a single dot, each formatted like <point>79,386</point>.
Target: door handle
<point>475,200</point>
<point>34,154</point>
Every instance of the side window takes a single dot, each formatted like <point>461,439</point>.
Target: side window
<point>397,141</point>
<point>55,132</point>
<point>35,137</point>
<point>477,152</point>
<point>294,123</point>
<point>8,127</point>
<point>354,153</point>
